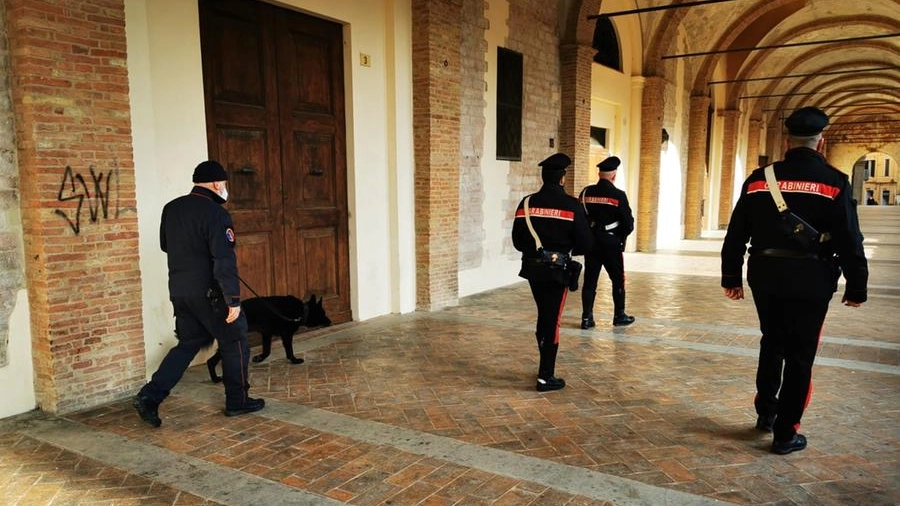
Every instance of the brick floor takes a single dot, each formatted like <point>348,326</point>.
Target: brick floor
<point>665,403</point>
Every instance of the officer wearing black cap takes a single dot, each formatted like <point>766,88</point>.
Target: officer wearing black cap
<point>198,238</point>
<point>792,274</point>
<point>559,222</point>
<point>611,222</point>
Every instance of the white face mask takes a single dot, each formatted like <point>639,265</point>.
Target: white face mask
<point>224,193</point>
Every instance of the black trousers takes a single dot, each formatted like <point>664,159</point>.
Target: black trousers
<point>609,256</point>
<point>197,324</point>
<point>791,328</point>
<point>550,298</point>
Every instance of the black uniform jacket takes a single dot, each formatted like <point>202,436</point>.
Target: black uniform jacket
<point>196,233</point>
<point>557,218</point>
<point>608,212</point>
<point>818,193</point>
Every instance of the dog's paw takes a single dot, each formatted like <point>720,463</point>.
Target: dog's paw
<point>295,360</point>
<point>259,358</point>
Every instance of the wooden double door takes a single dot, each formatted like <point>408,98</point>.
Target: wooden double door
<point>274,93</point>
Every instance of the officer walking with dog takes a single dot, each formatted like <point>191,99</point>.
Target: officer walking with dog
<point>611,222</point>
<point>797,214</point>
<point>550,226</point>
<point>197,235</point>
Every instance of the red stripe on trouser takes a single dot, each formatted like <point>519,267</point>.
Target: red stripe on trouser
<point>562,305</point>
<point>810,389</point>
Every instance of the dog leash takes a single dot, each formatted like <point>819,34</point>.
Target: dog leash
<point>274,311</point>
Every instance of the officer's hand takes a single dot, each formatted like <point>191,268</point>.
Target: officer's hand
<point>233,313</point>
<point>735,293</point>
<point>850,303</point>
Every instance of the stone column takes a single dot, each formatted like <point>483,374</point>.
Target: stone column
<point>729,150</point>
<point>696,168</point>
<point>436,121</point>
<point>652,107</point>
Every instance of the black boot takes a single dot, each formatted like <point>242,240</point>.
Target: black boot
<point>587,308</point>
<point>546,380</point>
<point>147,409</point>
<point>620,319</point>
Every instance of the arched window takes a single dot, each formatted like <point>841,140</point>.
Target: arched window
<point>606,42</point>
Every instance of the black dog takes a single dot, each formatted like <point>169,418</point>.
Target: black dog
<point>279,316</point>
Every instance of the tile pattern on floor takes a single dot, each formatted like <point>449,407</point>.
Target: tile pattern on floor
<point>666,403</point>
<point>36,473</point>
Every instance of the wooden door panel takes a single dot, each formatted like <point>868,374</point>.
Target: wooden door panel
<point>256,255</point>
<point>311,94</point>
<point>242,123</point>
<point>244,151</point>
<point>239,77</point>
<point>273,80</point>
<point>314,263</point>
<point>314,172</point>
<point>311,70</point>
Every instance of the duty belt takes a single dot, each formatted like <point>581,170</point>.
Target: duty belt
<point>784,253</point>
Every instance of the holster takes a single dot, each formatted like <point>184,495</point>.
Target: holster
<point>800,232</point>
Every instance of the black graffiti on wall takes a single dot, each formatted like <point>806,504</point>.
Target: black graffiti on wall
<point>74,186</point>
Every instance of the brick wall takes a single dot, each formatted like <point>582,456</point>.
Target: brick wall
<point>652,116</point>
<point>11,247</point>
<point>533,32</point>
<point>436,121</point>
<point>70,99</point>
<point>575,129</point>
<point>472,122</point>
<point>729,147</point>
<point>753,135</point>
<point>696,167</point>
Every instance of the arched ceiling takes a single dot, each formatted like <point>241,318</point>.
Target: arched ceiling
<point>798,58</point>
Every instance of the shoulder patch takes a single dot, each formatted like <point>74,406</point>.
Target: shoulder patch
<point>229,235</point>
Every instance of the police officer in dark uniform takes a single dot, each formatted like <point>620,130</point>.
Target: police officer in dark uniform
<point>793,279</point>
<point>560,224</point>
<point>611,222</point>
<point>197,235</point>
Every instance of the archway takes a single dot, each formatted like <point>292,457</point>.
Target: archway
<point>879,179</point>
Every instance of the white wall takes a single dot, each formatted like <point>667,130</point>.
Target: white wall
<point>17,377</point>
<point>170,139</point>
<point>496,268</point>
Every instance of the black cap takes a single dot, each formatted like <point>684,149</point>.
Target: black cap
<point>610,164</point>
<point>556,163</point>
<point>806,122</point>
<point>210,171</point>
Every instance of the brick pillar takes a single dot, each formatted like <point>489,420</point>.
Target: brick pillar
<point>575,125</point>
<point>753,144</point>
<point>73,129</point>
<point>774,141</point>
<point>729,142</point>
<point>652,107</point>
<point>696,168</point>
<point>436,121</point>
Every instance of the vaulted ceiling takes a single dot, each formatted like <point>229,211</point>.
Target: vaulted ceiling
<point>776,55</point>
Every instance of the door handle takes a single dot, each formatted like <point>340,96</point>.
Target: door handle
<point>316,172</point>
<point>247,170</point>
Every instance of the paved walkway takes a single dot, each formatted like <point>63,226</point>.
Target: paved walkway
<point>439,409</point>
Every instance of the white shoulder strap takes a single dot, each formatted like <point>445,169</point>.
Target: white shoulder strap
<point>583,203</point>
<point>537,240</point>
<point>774,190</point>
